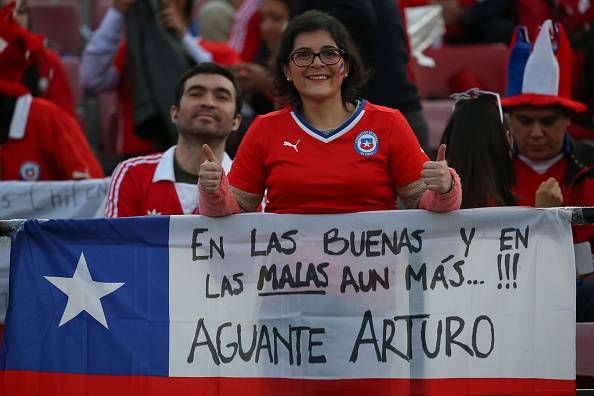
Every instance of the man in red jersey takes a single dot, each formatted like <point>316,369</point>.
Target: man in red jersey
<point>552,169</point>
<point>206,111</point>
<point>38,140</point>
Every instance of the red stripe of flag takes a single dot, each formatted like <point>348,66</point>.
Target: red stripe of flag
<point>25,383</point>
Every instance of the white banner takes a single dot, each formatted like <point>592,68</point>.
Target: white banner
<point>53,200</point>
<point>484,293</point>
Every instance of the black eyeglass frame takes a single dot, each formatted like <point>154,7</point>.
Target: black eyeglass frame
<point>340,52</point>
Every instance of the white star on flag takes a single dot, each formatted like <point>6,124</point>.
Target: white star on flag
<point>84,294</point>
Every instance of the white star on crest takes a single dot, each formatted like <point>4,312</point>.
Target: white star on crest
<point>84,294</point>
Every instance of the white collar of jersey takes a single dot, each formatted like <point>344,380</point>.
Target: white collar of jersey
<point>165,170</point>
<point>338,132</point>
<point>20,117</point>
<point>541,167</point>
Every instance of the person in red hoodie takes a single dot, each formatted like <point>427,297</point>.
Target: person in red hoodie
<point>38,140</point>
<point>46,75</point>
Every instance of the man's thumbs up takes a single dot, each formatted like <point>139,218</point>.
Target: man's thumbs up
<point>211,171</point>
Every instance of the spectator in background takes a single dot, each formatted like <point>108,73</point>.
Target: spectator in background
<point>329,152</point>
<point>255,78</point>
<point>480,149</point>
<point>215,19</point>
<point>473,22</point>
<point>486,171</point>
<point>38,140</point>
<point>245,32</point>
<point>107,58</point>
<point>46,75</point>
<point>377,29</point>
<point>538,100</point>
<point>206,111</point>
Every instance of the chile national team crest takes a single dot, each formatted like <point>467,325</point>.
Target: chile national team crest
<point>366,143</point>
<point>29,171</point>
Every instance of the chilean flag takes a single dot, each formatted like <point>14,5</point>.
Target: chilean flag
<point>91,313</point>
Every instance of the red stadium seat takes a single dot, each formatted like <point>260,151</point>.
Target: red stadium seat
<point>60,23</point>
<point>487,62</point>
<point>437,113</point>
<point>584,348</point>
<point>71,64</point>
<point>110,122</point>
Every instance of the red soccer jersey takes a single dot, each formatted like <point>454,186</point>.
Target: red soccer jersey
<point>146,185</point>
<point>528,180</point>
<point>45,143</point>
<point>357,167</point>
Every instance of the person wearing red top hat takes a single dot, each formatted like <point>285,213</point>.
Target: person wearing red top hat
<point>552,169</point>
<point>38,140</point>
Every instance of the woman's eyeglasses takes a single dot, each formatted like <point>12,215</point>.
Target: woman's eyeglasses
<point>329,57</point>
<point>474,93</point>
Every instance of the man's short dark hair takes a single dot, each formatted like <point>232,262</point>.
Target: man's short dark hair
<point>208,68</point>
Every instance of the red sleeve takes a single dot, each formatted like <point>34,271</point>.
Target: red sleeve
<point>122,198</point>
<point>248,172</point>
<point>222,53</point>
<point>120,58</point>
<point>59,90</point>
<point>406,157</point>
<point>252,39</point>
<point>69,149</point>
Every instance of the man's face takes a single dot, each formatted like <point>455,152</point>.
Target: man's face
<point>207,107</point>
<point>538,131</point>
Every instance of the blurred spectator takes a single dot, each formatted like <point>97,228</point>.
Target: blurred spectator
<point>38,140</point>
<point>46,75</point>
<point>254,78</point>
<point>215,19</point>
<point>141,73</point>
<point>479,148</point>
<point>377,29</point>
<point>206,111</point>
<point>538,99</point>
<point>245,32</point>
<point>472,21</point>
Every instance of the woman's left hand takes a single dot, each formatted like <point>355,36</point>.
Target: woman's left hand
<point>436,174</point>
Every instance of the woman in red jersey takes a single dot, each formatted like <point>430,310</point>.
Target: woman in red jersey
<point>328,151</point>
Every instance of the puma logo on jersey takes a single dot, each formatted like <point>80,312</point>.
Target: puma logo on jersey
<point>294,146</point>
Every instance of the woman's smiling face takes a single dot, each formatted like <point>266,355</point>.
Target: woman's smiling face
<point>318,81</point>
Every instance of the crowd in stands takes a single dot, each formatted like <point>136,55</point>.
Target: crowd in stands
<point>526,143</point>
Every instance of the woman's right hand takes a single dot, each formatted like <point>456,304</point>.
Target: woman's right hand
<point>211,171</point>
<point>549,194</point>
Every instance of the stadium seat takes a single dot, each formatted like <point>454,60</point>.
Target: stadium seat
<point>71,64</point>
<point>584,339</point>
<point>487,62</point>
<point>110,122</point>
<point>60,23</point>
<point>437,113</point>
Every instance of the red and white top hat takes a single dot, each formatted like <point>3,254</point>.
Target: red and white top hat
<point>540,75</point>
